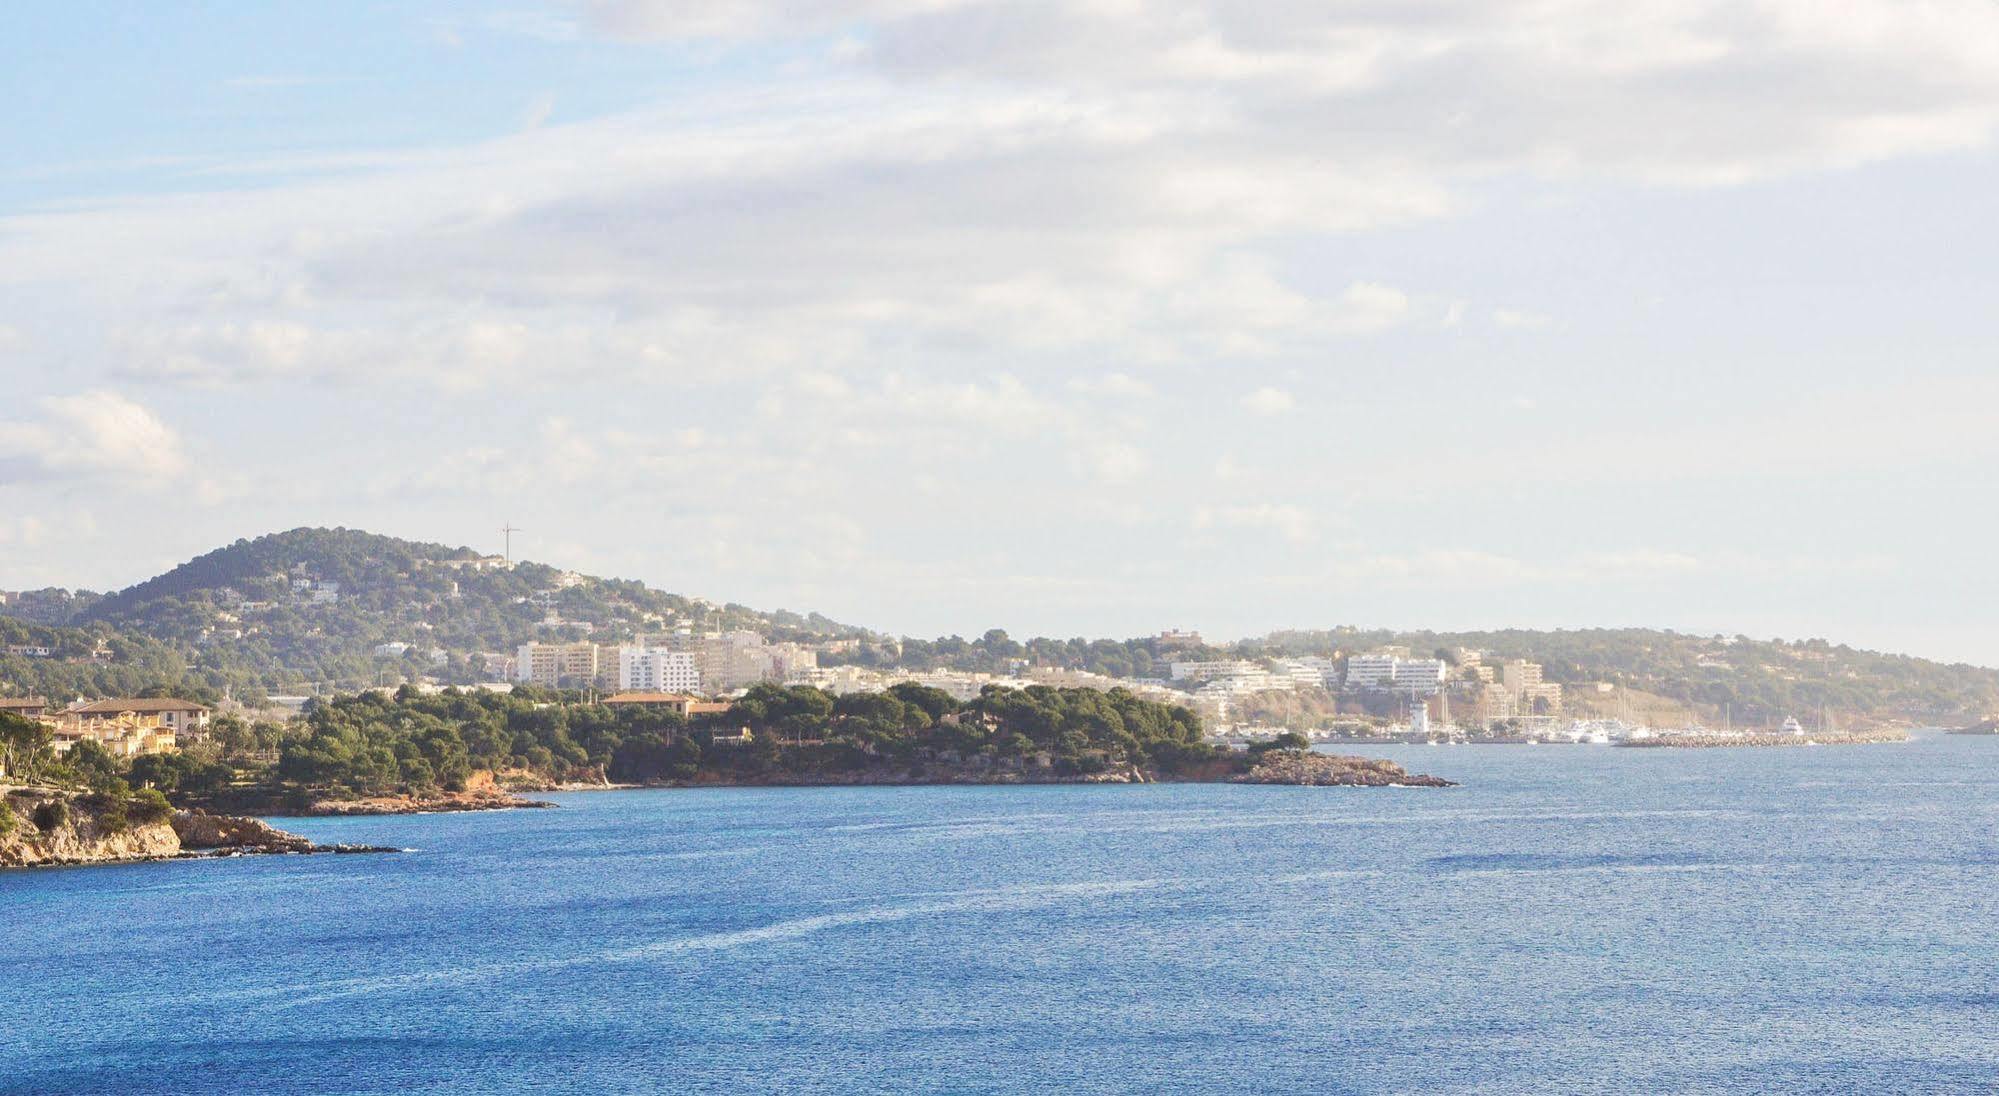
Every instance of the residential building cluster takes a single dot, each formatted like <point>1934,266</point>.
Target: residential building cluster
<point>674,663</point>
<point>1392,672</point>
<point>123,726</point>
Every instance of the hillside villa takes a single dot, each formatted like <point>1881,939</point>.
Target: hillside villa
<point>683,704</point>
<point>124,726</point>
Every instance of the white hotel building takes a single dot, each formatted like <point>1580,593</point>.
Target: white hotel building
<point>1387,673</point>
<point>644,670</point>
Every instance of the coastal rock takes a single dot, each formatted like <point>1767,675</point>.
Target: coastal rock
<point>1328,770</point>
<point>201,830</point>
<point>442,803</point>
<point>484,791</point>
<point>80,837</point>
<point>51,827</point>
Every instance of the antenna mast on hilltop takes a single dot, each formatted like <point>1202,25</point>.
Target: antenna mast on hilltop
<point>508,530</point>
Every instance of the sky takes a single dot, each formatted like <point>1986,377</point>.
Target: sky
<point>1093,317</point>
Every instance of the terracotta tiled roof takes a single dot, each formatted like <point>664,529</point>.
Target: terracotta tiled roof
<point>138,704</point>
<point>648,698</point>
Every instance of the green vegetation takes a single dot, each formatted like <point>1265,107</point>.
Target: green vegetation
<point>148,806</point>
<point>411,743</point>
<point>997,653</point>
<point>24,747</point>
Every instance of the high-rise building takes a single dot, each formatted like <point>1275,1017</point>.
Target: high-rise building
<point>644,670</point>
<point>1367,673</point>
<point>1531,694</point>
<point>558,665</point>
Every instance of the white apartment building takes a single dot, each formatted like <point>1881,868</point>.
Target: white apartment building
<point>1368,673</point>
<point>1207,671</point>
<point>1421,676</point>
<point>736,660</point>
<point>652,671</point>
<point>1310,672</point>
<point>1392,673</point>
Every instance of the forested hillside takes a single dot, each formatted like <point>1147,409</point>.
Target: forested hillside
<point>309,610</point>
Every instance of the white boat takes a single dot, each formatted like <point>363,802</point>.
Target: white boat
<point>1792,726</point>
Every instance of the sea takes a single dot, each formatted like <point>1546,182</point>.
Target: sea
<point>1572,919</point>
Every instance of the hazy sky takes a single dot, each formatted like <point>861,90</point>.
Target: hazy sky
<point>1073,317</point>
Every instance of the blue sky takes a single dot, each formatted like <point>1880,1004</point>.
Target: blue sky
<point>1090,318</point>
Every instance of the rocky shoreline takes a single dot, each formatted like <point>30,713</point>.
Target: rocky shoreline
<point>1328,770</point>
<point>43,835</point>
<point>448,803</point>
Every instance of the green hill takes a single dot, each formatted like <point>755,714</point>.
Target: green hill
<point>309,609</point>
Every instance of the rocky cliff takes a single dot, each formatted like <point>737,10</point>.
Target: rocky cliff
<point>49,827</point>
<point>44,828</point>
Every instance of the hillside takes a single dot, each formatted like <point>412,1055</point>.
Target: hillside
<point>309,608</point>
<point>1753,680</point>
<point>1672,674</point>
<point>322,610</point>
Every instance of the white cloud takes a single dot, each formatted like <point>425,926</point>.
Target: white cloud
<point>1268,401</point>
<point>1688,91</point>
<point>1117,386</point>
<point>1366,306</point>
<point>97,434</point>
<point>1053,182</point>
<point>1291,522</point>
<point>1521,321</point>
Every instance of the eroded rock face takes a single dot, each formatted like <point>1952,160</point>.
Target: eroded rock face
<point>80,837</point>
<point>76,834</point>
<point>201,830</point>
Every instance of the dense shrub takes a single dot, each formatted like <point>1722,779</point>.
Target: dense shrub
<point>52,815</point>
<point>148,806</point>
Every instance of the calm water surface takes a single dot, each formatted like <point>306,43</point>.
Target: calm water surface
<point>1573,919</point>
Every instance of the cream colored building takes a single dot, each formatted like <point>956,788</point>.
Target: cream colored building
<point>561,665</point>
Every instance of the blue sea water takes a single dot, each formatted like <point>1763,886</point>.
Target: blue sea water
<point>1572,919</point>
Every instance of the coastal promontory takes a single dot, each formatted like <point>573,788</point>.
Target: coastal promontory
<point>48,827</point>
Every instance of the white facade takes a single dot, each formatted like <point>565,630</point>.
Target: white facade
<point>1369,672</point>
<point>1310,672</point>
<point>642,670</point>
<point>1207,671</point>
<point>1424,676</point>
<point>1390,673</point>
